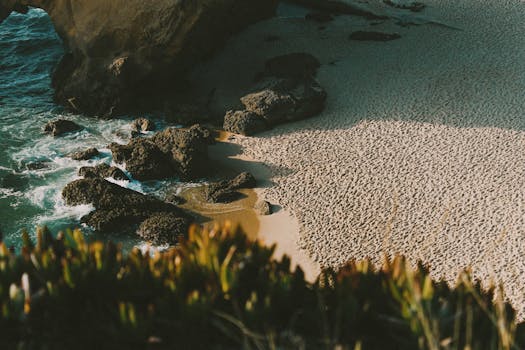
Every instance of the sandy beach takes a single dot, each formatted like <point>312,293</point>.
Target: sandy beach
<point>421,148</point>
<point>280,228</point>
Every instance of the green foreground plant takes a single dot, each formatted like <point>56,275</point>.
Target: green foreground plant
<point>220,290</point>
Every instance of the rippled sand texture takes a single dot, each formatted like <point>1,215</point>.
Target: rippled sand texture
<point>421,149</point>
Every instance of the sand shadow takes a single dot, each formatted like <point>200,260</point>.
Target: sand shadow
<point>432,74</point>
<point>228,160</point>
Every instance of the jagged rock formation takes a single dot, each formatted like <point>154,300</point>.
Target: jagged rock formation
<point>60,127</point>
<point>286,91</point>
<point>102,171</point>
<point>118,209</point>
<point>85,154</point>
<point>168,153</point>
<point>123,52</point>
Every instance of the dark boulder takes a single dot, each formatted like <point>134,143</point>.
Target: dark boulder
<point>226,191</point>
<point>187,149</point>
<point>143,159</point>
<point>102,171</point>
<point>263,208</point>
<point>296,101</point>
<point>163,228</point>
<point>169,153</point>
<point>60,127</point>
<point>36,165</point>
<point>244,123</point>
<point>117,209</point>
<point>285,91</point>
<point>273,106</point>
<point>373,36</point>
<point>85,155</point>
<point>104,194</point>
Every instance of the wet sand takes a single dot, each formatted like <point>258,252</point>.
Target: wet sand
<point>239,213</point>
<point>281,227</point>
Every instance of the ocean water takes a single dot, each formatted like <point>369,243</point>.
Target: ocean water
<point>35,167</point>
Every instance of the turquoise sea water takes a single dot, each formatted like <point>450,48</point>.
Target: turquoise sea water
<point>34,167</point>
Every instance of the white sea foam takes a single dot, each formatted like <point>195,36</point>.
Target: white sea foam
<point>146,247</point>
<point>62,212</point>
<point>8,192</point>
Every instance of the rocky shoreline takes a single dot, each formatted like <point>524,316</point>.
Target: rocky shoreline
<point>283,90</point>
<point>171,153</point>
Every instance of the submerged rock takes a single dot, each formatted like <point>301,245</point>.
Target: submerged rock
<point>320,17</point>
<point>226,191</point>
<point>412,6</point>
<point>341,7</point>
<point>36,165</point>
<point>60,127</point>
<point>373,36</point>
<point>118,209</point>
<point>169,153</point>
<point>102,171</point>
<point>121,53</point>
<point>85,155</point>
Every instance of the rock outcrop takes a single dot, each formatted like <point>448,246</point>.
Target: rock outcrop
<point>172,152</point>
<point>60,127</point>
<point>244,122</point>
<point>118,209</point>
<point>85,155</point>
<point>102,171</point>
<point>163,228</point>
<point>226,191</point>
<point>286,91</point>
<point>140,125</point>
<point>120,53</point>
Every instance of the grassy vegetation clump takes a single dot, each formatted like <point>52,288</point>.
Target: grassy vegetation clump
<point>220,290</point>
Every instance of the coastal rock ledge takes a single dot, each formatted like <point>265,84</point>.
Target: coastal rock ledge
<point>122,54</point>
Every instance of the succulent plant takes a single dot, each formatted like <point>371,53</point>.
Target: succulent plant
<point>219,289</point>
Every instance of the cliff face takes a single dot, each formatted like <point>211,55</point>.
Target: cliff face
<point>121,51</point>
